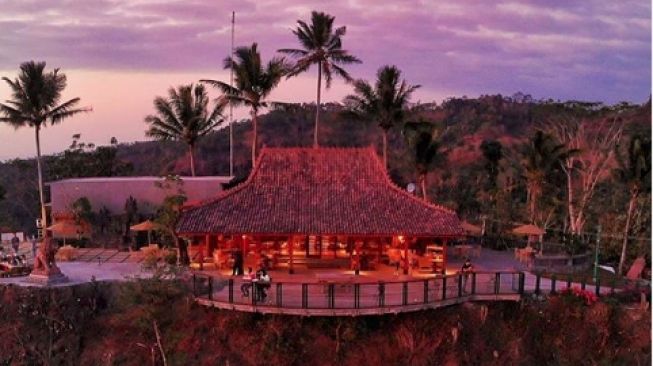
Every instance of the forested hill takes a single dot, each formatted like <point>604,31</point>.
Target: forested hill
<point>456,180</point>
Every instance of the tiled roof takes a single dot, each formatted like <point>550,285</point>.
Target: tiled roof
<point>321,191</point>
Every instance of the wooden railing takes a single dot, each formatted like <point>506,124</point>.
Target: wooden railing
<point>366,298</point>
<point>345,297</point>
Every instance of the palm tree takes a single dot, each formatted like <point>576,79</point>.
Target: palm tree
<point>541,156</point>
<point>386,102</point>
<point>184,116</point>
<point>321,45</point>
<point>422,139</point>
<point>634,171</point>
<point>254,82</point>
<point>35,101</point>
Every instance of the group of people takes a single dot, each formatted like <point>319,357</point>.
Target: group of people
<point>258,281</point>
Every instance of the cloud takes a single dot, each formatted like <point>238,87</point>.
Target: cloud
<point>558,49</point>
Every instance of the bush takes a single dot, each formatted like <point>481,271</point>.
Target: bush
<point>170,257</point>
<point>66,253</point>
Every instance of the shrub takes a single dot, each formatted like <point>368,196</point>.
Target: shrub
<point>66,253</point>
<point>579,296</point>
<point>170,257</point>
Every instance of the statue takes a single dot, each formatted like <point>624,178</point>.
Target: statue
<point>45,270</point>
<point>44,262</point>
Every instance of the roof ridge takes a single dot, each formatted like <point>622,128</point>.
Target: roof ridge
<point>392,185</point>
<point>240,186</point>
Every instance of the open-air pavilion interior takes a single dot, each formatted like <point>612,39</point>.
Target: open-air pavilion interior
<point>316,213</point>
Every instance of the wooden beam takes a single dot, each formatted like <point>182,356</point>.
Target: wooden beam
<point>291,244</point>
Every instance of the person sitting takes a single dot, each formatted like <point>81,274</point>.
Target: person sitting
<point>247,282</point>
<point>263,285</point>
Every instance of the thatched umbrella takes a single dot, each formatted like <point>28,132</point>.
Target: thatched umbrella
<point>65,229</point>
<point>530,230</point>
<point>147,225</point>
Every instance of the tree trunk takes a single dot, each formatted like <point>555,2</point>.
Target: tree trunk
<point>192,160</point>
<point>570,202</point>
<point>317,107</point>
<point>423,183</point>
<point>254,136</point>
<point>44,215</point>
<point>624,246</point>
<point>385,148</point>
<point>182,246</point>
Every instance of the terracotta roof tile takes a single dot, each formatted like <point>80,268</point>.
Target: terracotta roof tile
<point>323,191</point>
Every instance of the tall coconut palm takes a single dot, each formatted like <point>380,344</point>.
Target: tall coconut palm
<point>36,96</point>
<point>321,46</point>
<point>185,117</point>
<point>386,102</point>
<point>634,172</point>
<point>423,141</point>
<point>254,82</point>
<point>541,156</point>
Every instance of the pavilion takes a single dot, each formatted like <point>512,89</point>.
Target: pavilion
<point>323,208</point>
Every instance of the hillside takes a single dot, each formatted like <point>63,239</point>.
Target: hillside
<point>113,324</point>
<point>455,181</point>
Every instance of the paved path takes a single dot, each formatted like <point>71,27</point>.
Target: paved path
<point>80,272</point>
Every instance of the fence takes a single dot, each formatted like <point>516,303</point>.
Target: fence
<point>348,295</point>
<point>350,298</point>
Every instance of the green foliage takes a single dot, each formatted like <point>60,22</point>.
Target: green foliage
<point>321,45</point>
<point>82,159</point>
<point>184,116</point>
<point>574,244</point>
<point>83,210</point>
<point>492,153</point>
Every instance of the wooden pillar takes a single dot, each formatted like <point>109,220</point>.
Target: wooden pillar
<point>291,244</point>
<point>444,256</point>
<point>406,263</point>
<point>380,243</point>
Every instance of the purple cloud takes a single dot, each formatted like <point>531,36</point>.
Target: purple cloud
<point>597,50</point>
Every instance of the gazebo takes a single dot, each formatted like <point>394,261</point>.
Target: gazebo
<point>320,207</point>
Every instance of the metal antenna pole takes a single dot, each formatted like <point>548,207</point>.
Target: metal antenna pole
<point>596,252</point>
<point>231,108</point>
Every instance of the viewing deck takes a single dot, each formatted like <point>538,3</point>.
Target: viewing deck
<point>355,298</point>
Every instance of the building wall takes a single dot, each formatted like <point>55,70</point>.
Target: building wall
<point>113,192</point>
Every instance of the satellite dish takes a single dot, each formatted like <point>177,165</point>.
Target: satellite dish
<point>411,187</point>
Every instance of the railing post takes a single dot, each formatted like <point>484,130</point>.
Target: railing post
<point>473,283</point>
<point>279,295</point>
<point>583,284</point>
<point>330,295</point>
<point>231,290</point>
<point>426,291</point>
<point>522,282</point>
<point>254,293</point>
<point>194,285</point>
<point>381,294</point>
<point>304,296</point>
<point>404,293</point>
<point>460,285</point>
<point>357,296</point>
<point>568,281</point>
<point>538,278</point>
<point>444,287</point>
<point>210,287</point>
<point>553,284</point>
<point>497,282</point>
<point>597,286</point>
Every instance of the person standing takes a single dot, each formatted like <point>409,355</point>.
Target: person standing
<point>15,243</point>
<point>34,246</point>
<point>466,269</point>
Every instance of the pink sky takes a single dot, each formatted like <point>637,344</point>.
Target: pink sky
<point>119,54</point>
